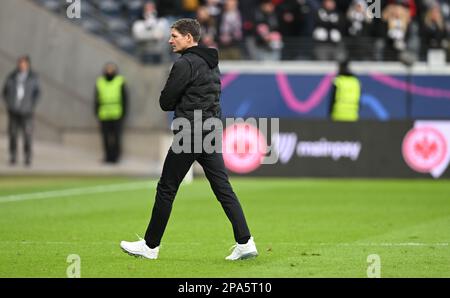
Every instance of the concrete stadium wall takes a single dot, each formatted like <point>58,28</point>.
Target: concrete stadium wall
<point>68,60</point>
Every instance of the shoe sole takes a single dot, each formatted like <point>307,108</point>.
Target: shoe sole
<point>248,256</point>
<point>135,255</point>
<point>251,255</point>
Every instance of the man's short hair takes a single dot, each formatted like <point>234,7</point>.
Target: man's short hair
<point>186,26</point>
<point>111,64</point>
<point>24,58</point>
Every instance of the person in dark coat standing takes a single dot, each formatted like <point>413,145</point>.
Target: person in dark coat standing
<point>193,87</point>
<point>21,94</point>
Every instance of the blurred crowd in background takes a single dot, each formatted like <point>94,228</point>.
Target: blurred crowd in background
<point>373,30</point>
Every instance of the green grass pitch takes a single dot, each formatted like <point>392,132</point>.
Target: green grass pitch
<point>302,228</point>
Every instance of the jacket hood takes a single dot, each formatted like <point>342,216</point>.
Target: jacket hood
<point>210,55</point>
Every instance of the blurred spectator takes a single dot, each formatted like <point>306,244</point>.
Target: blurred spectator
<point>445,10</point>
<point>151,33</point>
<point>213,7</point>
<point>169,9</point>
<point>247,10</point>
<point>343,5</point>
<point>396,21</point>
<point>208,27</point>
<point>230,31</point>
<point>190,8</point>
<point>358,31</point>
<point>434,34</point>
<point>345,95</point>
<point>409,4</point>
<point>327,33</point>
<point>133,10</point>
<point>268,40</point>
<point>296,17</point>
<point>111,103</point>
<point>296,21</point>
<point>21,93</point>
<point>413,38</point>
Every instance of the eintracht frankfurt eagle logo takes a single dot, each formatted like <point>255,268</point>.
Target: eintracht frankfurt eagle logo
<point>424,148</point>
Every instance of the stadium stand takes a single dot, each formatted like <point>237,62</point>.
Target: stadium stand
<point>396,25</point>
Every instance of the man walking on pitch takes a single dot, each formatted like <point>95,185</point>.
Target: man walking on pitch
<point>193,84</point>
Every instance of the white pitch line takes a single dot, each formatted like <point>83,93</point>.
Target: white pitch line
<point>78,191</point>
<point>388,244</point>
<point>368,244</point>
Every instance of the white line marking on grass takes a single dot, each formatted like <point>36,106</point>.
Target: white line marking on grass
<point>370,244</point>
<point>78,191</point>
<point>389,244</point>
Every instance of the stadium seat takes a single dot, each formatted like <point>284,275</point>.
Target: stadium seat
<point>134,10</point>
<point>116,24</point>
<point>110,8</point>
<point>125,42</point>
<point>87,8</point>
<point>133,5</point>
<point>92,25</point>
<point>53,5</point>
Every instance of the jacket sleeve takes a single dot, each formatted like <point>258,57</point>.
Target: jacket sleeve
<point>124,101</point>
<point>176,84</point>
<point>96,102</point>
<point>332,99</point>
<point>36,90</point>
<point>5,88</point>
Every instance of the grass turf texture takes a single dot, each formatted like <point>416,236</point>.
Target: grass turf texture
<point>302,228</point>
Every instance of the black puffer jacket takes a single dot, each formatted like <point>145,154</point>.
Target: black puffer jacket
<point>193,84</point>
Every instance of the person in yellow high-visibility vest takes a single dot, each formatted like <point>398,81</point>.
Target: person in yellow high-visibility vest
<point>111,102</point>
<point>345,96</point>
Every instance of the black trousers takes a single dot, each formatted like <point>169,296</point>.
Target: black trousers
<point>20,124</point>
<point>111,136</point>
<point>175,168</point>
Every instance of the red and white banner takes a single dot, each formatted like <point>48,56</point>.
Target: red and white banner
<point>426,147</point>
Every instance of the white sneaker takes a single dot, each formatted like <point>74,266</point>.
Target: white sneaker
<point>139,249</point>
<point>243,251</point>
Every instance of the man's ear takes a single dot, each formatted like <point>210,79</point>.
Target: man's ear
<point>190,37</point>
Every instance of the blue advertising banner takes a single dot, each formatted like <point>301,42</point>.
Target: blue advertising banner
<point>307,96</point>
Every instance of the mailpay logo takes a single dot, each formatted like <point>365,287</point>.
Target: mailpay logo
<point>286,144</point>
<point>425,147</point>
